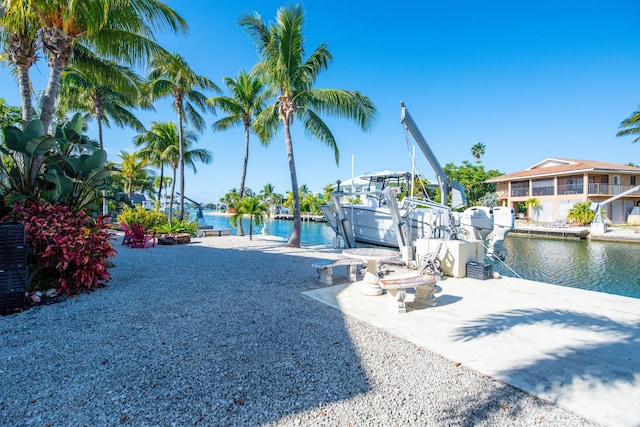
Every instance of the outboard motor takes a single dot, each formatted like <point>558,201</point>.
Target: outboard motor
<point>504,219</point>
<point>477,222</point>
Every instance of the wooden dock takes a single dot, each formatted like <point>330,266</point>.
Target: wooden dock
<point>552,232</point>
<point>314,218</point>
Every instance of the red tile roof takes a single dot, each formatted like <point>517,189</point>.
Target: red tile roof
<point>557,166</point>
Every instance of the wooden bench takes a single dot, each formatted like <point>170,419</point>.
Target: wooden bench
<point>423,284</point>
<point>325,269</point>
<point>205,232</point>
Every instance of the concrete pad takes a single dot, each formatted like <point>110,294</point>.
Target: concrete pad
<point>579,349</point>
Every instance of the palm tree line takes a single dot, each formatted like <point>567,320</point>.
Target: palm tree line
<point>93,46</point>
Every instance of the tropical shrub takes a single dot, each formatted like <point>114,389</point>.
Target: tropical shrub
<point>68,251</point>
<point>150,220</point>
<point>67,168</point>
<point>581,213</point>
<point>177,226</point>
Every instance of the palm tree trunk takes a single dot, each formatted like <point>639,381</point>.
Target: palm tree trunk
<point>181,160</point>
<point>173,193</point>
<point>130,189</point>
<point>105,210</point>
<point>294,239</point>
<point>24,83</point>
<point>51,93</point>
<point>244,174</point>
<point>99,121</point>
<point>161,183</point>
<point>46,114</point>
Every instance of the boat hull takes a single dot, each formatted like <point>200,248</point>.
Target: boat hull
<point>374,225</point>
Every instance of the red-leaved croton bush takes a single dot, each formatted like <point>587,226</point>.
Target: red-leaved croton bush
<point>68,250</point>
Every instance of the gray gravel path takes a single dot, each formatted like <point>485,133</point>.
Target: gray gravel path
<point>217,333</point>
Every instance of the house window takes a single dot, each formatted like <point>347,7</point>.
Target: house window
<point>633,181</point>
<point>542,187</point>
<point>520,189</point>
<point>571,185</point>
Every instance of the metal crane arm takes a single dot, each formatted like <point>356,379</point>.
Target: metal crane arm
<point>596,206</point>
<point>459,198</point>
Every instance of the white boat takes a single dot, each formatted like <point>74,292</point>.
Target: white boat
<point>383,220</point>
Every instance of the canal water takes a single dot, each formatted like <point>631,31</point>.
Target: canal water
<point>609,267</point>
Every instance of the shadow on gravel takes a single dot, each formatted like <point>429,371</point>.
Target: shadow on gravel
<point>592,365</point>
<point>187,334</point>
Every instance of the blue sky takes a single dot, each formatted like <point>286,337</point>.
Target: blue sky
<point>529,80</point>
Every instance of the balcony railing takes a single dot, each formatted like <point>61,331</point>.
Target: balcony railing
<point>543,191</point>
<point>519,192</point>
<point>599,189</point>
<point>611,189</point>
<point>570,189</point>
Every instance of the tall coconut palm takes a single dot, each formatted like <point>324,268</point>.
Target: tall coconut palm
<point>115,29</point>
<point>291,76</point>
<point>108,94</point>
<point>156,145</point>
<point>170,75</point>
<point>164,142</point>
<point>477,151</point>
<point>631,126</point>
<point>246,101</point>
<point>21,45</point>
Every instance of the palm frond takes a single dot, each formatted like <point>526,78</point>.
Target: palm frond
<point>266,124</point>
<point>314,126</point>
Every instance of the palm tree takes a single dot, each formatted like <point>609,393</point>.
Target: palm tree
<point>304,190</point>
<point>291,77</point>
<point>631,126</point>
<point>531,204</point>
<point>170,75</point>
<point>166,135</point>
<point>119,30</point>
<point>132,168</point>
<point>267,194</point>
<point>21,45</point>
<point>253,207</point>
<point>478,151</point>
<point>108,94</point>
<point>246,101</point>
<point>155,144</point>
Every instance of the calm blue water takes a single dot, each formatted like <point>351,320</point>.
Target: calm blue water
<point>314,233</point>
<point>599,266</point>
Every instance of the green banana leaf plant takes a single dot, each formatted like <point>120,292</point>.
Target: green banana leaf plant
<point>67,168</point>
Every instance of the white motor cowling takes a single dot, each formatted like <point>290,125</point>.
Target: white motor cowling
<point>477,222</point>
<point>504,220</point>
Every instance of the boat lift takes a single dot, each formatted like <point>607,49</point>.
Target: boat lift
<point>598,226</point>
<point>199,215</point>
<point>344,226</point>
<point>458,196</point>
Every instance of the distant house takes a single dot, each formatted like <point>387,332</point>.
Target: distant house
<point>560,183</point>
<point>138,199</point>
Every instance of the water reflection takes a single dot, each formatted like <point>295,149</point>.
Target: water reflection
<point>599,266</point>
